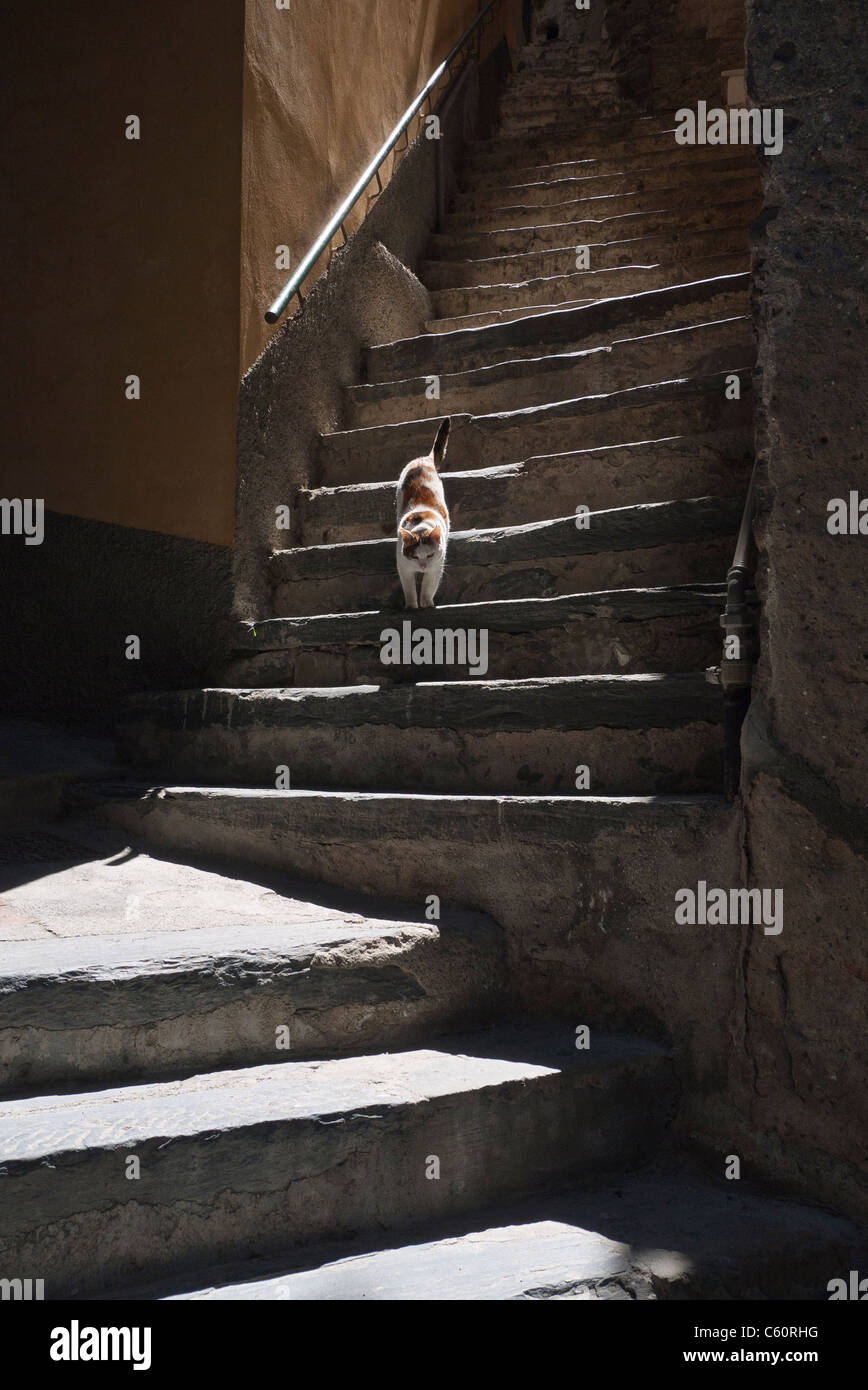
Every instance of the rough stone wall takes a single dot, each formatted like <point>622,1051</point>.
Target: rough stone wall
<point>794,1105</point>
<point>800,1072</point>
<point>561,20</point>
<point>670,53</point>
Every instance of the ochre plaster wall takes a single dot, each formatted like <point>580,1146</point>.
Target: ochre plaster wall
<point>156,257</point>
<point>324,83</point>
<point>123,259</point>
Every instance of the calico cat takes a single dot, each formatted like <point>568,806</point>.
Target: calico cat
<point>423,524</point>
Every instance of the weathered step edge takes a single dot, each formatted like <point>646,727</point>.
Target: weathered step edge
<point>619,528</point>
<point>238,1164</point>
<point>91,1010</point>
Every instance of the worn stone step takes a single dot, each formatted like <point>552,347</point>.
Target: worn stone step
<point>540,80</point>
<point>568,292</point>
<point>662,542</point>
<point>540,74</point>
<point>569,53</point>
<point>529,115</point>
<point>674,628</point>
<point>548,84</point>
<point>583,178</point>
<point>650,221</point>
<point>534,335</point>
<point>715,345</point>
<point>491,303</point>
<point>576,180</point>
<point>239,1164</point>
<point>643,471</point>
<point>637,735</point>
<point>589,136</point>
<point>576,53</point>
<point>542,866</point>
<point>557,143</point>
<point>483,171</point>
<point>675,245</point>
<point>689,405</point>
<point>37,764</point>
<point>575,203</point>
<point>538,77</point>
<point>529,96</point>
<point>147,967</point>
<point>572,183</point>
<point>545,88</point>
<point>707,346</point>
<point>528,119</point>
<point>670,1231</point>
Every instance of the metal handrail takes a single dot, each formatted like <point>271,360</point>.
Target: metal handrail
<point>335,223</point>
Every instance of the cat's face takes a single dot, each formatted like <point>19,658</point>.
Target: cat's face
<point>422,546</point>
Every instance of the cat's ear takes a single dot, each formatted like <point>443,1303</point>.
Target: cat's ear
<point>409,537</point>
<point>438,452</point>
<point>434,535</point>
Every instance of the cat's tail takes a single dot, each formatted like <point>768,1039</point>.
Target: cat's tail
<point>438,452</point>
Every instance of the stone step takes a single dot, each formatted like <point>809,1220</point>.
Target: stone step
<point>666,165</point>
<point>528,115</point>
<point>533,335</point>
<point>545,58</point>
<point>146,967</point>
<point>637,735</point>
<point>575,203</point>
<point>241,1164</point>
<point>482,304</point>
<point>590,288</point>
<point>678,245</point>
<point>618,631</point>
<point>651,221</point>
<point>569,53</point>
<point>579,66</point>
<point>544,87</point>
<point>562,184</point>
<point>668,1232</point>
<point>538,77</point>
<point>707,345</point>
<point>690,405</point>
<point>564,555</point>
<point>530,119</point>
<point>595,136</point>
<point>543,867</point>
<point>37,764</point>
<point>579,69</point>
<point>570,183</point>
<point>543,79</point>
<point>677,242</point>
<point>643,471</point>
<point>714,345</point>
<point>526,97</point>
<point>557,143</point>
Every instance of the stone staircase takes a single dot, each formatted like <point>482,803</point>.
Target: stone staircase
<point>516,896</point>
